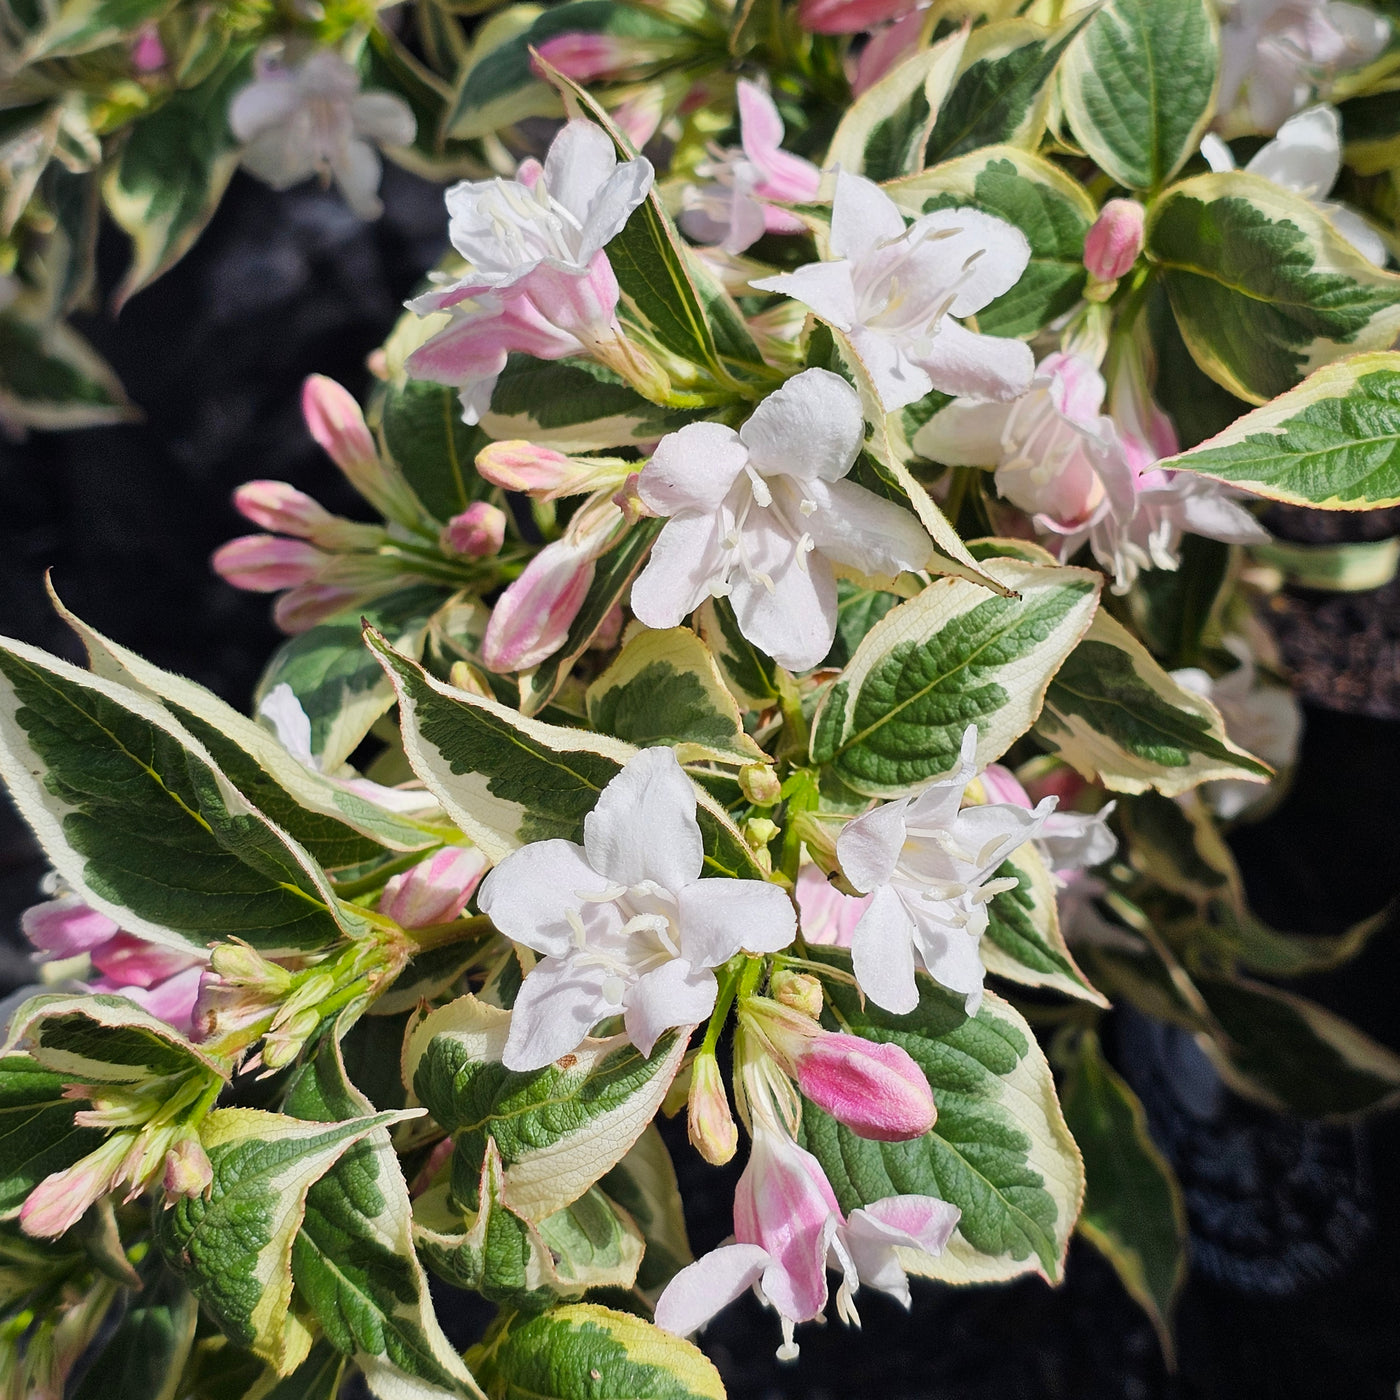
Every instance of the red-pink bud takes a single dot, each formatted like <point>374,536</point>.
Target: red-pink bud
<point>278,506</point>
<point>583,56</point>
<point>338,425</point>
<point>303,608</point>
<point>531,619</point>
<point>477,532</point>
<point>147,52</point>
<point>1112,246</point>
<point>267,563</point>
<point>875,1089</point>
<point>436,890</point>
<point>849,16</point>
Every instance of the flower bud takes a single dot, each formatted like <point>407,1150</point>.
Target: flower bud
<point>336,422</point>
<point>302,608</point>
<point>436,890</point>
<point>759,831</point>
<point>477,532</point>
<point>267,563</point>
<point>849,16</point>
<point>1002,785</point>
<point>759,784</point>
<point>545,474</point>
<point>799,990</point>
<point>65,927</point>
<point>187,1168</point>
<point>584,56</point>
<point>147,51</point>
<point>280,507</point>
<point>876,1090</point>
<point>711,1124</point>
<point>1112,245</point>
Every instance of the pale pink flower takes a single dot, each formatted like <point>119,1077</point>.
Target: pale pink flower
<point>828,916</point>
<point>436,890</point>
<point>851,16</point>
<point>1067,840</point>
<point>1113,243</point>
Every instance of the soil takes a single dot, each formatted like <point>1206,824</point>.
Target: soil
<point>1295,1286</point>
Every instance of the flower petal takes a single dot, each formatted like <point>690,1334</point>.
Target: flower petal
<point>712,1282</point>
<point>625,189</point>
<point>794,620</point>
<point>384,118</point>
<point>882,953</point>
<point>863,217</point>
<point>719,917</point>
<point>855,527</point>
<point>978,366</point>
<point>559,1002</point>
<point>824,286</point>
<point>580,161</point>
<point>899,379</point>
<point>993,252</point>
<point>868,848</point>
<point>811,427</point>
<point>674,994</point>
<point>643,826</point>
<point>687,564</point>
<point>965,434</point>
<point>527,896</point>
<point>1306,155</point>
<point>692,469</point>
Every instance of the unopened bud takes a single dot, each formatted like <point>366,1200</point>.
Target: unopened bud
<point>477,532</point>
<point>545,474</point>
<point>759,831</point>
<point>238,963</point>
<point>147,52</point>
<point>267,563</point>
<point>759,784</point>
<point>799,990</point>
<point>280,507</point>
<point>300,609</point>
<point>711,1124</point>
<point>584,55</point>
<point>1112,245</point>
<point>187,1168</point>
<point>436,890</point>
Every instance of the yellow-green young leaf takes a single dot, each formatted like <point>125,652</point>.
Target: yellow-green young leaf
<point>558,1130</point>
<point>884,131</point>
<point>172,170</point>
<point>1053,210</point>
<point>51,378</point>
<point>234,1246</point>
<point>336,826</point>
<point>37,1132</point>
<point>1133,1210</point>
<point>135,815</point>
<point>1118,718</point>
<point>1002,92</point>
<point>1138,86</point>
<point>955,655</point>
<point>1264,289</point>
<point>666,688</point>
<point>1023,942</point>
<point>337,681</point>
<point>1333,442</point>
<point>585,1352</point>
<point>353,1260</point>
<point>507,780</point>
<point>998,1150</point>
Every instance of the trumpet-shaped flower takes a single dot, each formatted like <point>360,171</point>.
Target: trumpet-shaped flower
<point>762,515</point>
<point>734,211</point>
<point>1306,157</point>
<point>1067,840</point>
<point>624,923</point>
<point>930,865</point>
<point>313,119</point>
<point>898,293</point>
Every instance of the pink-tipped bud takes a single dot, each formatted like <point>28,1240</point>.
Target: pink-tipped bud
<point>336,422</point>
<point>436,890</point>
<point>759,784</point>
<point>188,1171</point>
<point>267,563</point>
<point>799,990</point>
<point>61,1199</point>
<point>531,619</point>
<point>545,474</point>
<point>875,1089</point>
<point>147,51</point>
<point>479,531</point>
<point>1112,246</point>
<point>280,507</point>
<point>583,56</point>
<point>849,16</point>
<point>305,607</point>
<point>708,1118</point>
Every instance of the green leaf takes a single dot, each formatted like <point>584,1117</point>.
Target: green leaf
<point>336,827</point>
<point>1176,844</point>
<point>953,656</point>
<point>134,814</point>
<point>336,679</point>
<point>172,171</point>
<point>79,26</point>
<point>612,578</point>
<point>1133,1210</point>
<point>999,1149</point>
<point>353,1260</point>
<point>1118,718</point>
<point>1002,93</point>
<point>145,1358</point>
<point>51,378</point>
<point>573,406</point>
<point>423,432</point>
<point>584,1352</point>
<point>1264,289</point>
<point>664,687</point>
<point>752,677</point>
<point>1138,86</point>
<point>233,1246</point>
<point>507,780</point>
<point>1333,442</point>
<point>558,1130</point>
<point>1257,947</point>
<point>1023,942</point>
<point>37,1132</point>
<point>884,131</point>
<point>1051,209</point>
<point>644,1184</point>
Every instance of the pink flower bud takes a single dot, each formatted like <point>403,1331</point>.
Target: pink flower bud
<point>188,1171</point>
<point>1001,785</point>
<point>436,890</point>
<point>303,608</point>
<point>531,619</point>
<point>61,1199</point>
<point>875,1089</point>
<point>147,52</point>
<point>545,474</point>
<point>709,1120</point>
<point>267,563</point>
<point>65,927</point>
<point>1112,246</point>
<point>477,532</point>
<point>582,56</point>
<point>338,425</point>
<point>280,507</point>
<point>849,16</point>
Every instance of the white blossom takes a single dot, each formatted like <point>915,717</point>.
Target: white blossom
<point>624,923</point>
<point>898,293</point>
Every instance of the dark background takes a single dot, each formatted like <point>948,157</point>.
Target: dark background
<point>1295,1285</point>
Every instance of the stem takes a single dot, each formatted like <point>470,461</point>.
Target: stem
<point>728,986</point>
<point>444,935</point>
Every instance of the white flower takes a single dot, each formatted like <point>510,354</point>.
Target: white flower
<point>895,291</point>
<point>313,119</point>
<point>1306,157</point>
<point>929,863</point>
<point>1274,53</point>
<point>1263,718</point>
<point>1068,841</point>
<point>624,922</point>
<point>761,516</point>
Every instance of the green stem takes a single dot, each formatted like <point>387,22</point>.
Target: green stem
<point>444,935</point>
<point>728,985</point>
